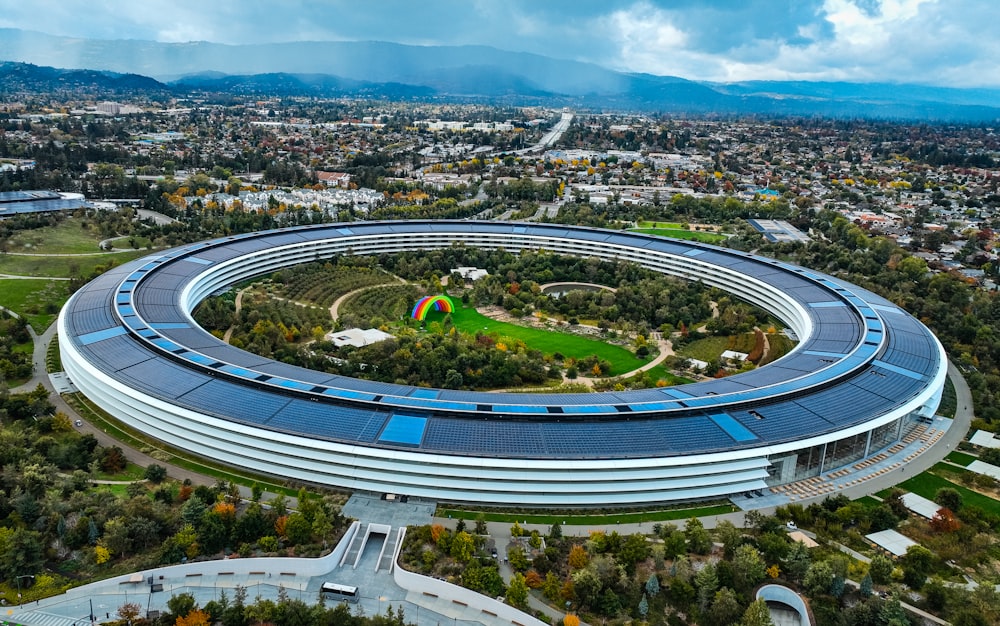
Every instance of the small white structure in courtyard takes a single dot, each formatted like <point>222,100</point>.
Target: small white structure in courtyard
<point>357,337</point>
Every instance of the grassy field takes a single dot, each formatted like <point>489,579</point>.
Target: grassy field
<point>131,472</point>
<point>668,225</point>
<point>708,349</point>
<point>67,237</point>
<point>927,484</point>
<point>960,458</point>
<point>678,233</point>
<point>547,341</point>
<point>62,266</point>
<point>37,300</point>
<point>661,373</point>
<point>596,519</point>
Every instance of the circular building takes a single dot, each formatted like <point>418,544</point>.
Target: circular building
<point>863,375</point>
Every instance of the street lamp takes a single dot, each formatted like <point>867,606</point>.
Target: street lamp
<point>18,580</point>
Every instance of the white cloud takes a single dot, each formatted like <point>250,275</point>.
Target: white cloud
<point>920,41</point>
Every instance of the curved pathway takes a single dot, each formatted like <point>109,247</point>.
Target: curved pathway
<point>20,277</point>
<point>335,307</point>
<point>571,284</point>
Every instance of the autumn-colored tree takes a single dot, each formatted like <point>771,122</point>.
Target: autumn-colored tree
<point>436,531</point>
<point>225,510</point>
<point>280,525</point>
<point>571,620</point>
<point>568,593</point>
<point>944,521</point>
<point>533,579</point>
<point>129,612</point>
<point>101,554</point>
<point>184,493</point>
<point>774,571</point>
<point>578,557</point>
<point>196,617</point>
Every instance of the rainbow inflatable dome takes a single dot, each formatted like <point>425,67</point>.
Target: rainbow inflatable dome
<point>424,305</point>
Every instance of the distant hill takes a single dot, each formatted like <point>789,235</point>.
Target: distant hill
<point>24,77</point>
<point>460,73</point>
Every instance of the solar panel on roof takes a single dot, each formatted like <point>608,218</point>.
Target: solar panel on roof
<point>404,429</point>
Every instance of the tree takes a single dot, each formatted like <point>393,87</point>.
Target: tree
<point>578,557</point>
<point>749,568</point>
<point>866,586</point>
<point>181,604</point>
<point>819,579</point>
<point>949,498</point>
<point>725,608</point>
<point>196,617</point>
<point>517,591</point>
<point>880,569</point>
<point>797,562</point>
<point>730,536</point>
<point>707,583</point>
<point>155,473</point>
<point>757,614</point>
<point>298,530</point>
<point>653,585</point>
<point>916,564</point>
<point>516,530</point>
<point>571,620</point>
<point>21,553</point>
<point>698,539</point>
<point>644,606</point>
<point>481,528</point>
<point>129,612</point>
<point>586,586</point>
<point>463,546</point>
<point>944,521</point>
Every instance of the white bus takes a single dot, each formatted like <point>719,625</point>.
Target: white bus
<point>345,593</point>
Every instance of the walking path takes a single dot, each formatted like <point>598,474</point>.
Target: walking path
<point>335,307</point>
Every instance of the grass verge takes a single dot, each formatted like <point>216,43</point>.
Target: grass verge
<point>681,234</point>
<point>961,458</point>
<point>590,519</point>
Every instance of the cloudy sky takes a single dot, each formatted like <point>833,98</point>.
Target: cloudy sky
<point>938,42</point>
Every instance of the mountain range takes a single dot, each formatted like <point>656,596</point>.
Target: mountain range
<point>478,73</point>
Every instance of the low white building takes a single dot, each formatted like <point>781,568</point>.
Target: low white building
<point>357,337</point>
<point>470,273</point>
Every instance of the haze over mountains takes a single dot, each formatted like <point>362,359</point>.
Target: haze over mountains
<point>390,70</point>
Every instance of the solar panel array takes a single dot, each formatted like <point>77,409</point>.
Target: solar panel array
<point>829,382</point>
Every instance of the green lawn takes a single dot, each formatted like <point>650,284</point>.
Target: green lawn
<point>869,502</point>
<point>927,484</point>
<point>62,266</point>
<point>661,373</point>
<point>595,519</point>
<point>677,233</point>
<point>961,458</point>
<point>668,225</point>
<point>37,300</point>
<point>67,237</point>
<point>469,320</point>
<point>131,472</point>
<point>708,349</point>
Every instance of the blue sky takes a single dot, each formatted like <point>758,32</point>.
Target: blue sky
<point>939,42</point>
